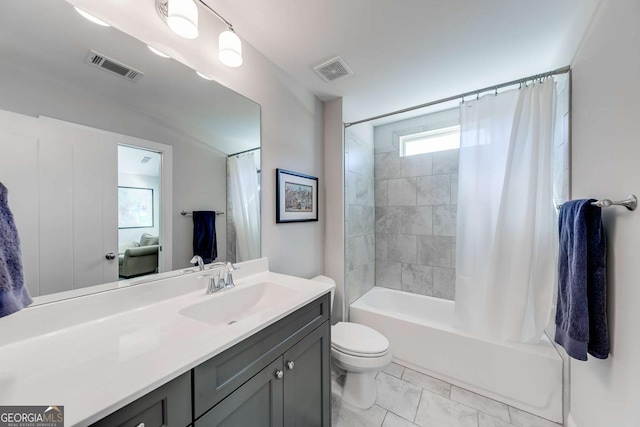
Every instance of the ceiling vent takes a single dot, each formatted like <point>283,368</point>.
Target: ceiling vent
<point>333,69</point>
<point>107,64</point>
<point>145,160</point>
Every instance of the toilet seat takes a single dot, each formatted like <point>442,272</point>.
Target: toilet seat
<point>358,340</point>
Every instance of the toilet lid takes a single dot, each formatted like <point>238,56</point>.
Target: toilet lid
<point>358,340</point>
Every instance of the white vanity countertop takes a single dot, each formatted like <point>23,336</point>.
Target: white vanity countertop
<point>97,367</point>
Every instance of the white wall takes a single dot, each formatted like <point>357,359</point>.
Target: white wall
<point>291,127</point>
<point>126,235</point>
<point>605,153</point>
<point>335,209</point>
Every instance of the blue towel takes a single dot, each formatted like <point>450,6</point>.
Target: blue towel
<point>204,235</point>
<point>13,295</point>
<point>581,316</point>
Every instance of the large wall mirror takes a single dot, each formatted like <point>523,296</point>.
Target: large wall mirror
<point>104,145</point>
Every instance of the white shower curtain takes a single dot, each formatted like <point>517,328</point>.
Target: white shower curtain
<point>506,219</point>
<point>245,199</point>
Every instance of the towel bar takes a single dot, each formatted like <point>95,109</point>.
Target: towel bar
<point>631,203</point>
<point>185,213</point>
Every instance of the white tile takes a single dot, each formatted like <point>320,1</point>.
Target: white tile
<point>438,411</point>
<point>344,415</point>
<point>416,220</point>
<point>397,396</point>
<point>524,419</point>
<point>481,403</point>
<point>387,165</point>
<point>434,190</point>
<point>402,248</point>
<point>401,192</point>
<point>444,220</point>
<point>417,279</point>
<point>444,283</point>
<point>431,384</point>
<point>435,251</point>
<point>392,420</point>
<point>489,421</point>
<point>388,274</point>
<point>394,369</point>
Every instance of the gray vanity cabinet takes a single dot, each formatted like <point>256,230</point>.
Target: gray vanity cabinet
<point>307,381</point>
<point>292,391</point>
<point>168,405</point>
<point>278,377</point>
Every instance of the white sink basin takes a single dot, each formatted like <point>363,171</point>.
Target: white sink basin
<point>234,305</point>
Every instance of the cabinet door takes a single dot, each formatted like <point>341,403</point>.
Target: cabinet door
<point>166,406</point>
<point>307,381</point>
<point>257,403</point>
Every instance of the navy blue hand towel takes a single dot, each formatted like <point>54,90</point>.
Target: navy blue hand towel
<point>204,235</point>
<point>13,295</point>
<point>581,316</point>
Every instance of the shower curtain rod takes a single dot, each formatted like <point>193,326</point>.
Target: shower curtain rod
<point>562,70</point>
<point>243,152</point>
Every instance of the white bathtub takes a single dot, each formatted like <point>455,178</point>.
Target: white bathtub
<point>422,337</point>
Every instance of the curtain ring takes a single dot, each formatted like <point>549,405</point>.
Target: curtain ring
<point>496,93</point>
<point>477,96</point>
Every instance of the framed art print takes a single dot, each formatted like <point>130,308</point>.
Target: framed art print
<point>296,197</point>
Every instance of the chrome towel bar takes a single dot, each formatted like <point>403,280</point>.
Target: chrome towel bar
<point>631,203</point>
<point>185,213</point>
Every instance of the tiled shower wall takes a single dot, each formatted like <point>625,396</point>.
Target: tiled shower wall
<point>415,214</point>
<point>359,214</point>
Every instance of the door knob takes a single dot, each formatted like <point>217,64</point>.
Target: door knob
<point>110,256</point>
<point>279,374</point>
<point>290,365</point>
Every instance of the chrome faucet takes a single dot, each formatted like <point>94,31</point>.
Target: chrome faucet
<point>197,259</point>
<point>223,281</point>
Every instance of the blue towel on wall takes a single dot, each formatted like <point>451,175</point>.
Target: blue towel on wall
<point>581,316</point>
<point>13,295</point>
<point>204,235</point>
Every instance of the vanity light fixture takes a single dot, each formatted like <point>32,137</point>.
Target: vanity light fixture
<point>158,52</point>
<point>182,17</point>
<point>91,18</point>
<point>204,76</point>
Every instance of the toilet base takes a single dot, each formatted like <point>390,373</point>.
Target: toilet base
<point>360,389</point>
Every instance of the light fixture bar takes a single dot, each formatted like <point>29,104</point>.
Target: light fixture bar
<point>163,10</point>
<point>217,14</point>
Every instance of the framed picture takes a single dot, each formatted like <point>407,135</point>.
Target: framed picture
<point>135,207</point>
<point>296,197</point>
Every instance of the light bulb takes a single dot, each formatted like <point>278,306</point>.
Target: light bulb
<point>158,52</point>
<point>182,18</point>
<point>230,49</point>
<point>204,76</point>
<point>91,18</point>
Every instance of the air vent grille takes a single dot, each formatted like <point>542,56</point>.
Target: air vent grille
<point>145,160</point>
<point>107,64</point>
<point>333,69</point>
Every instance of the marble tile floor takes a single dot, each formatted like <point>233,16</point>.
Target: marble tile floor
<point>407,398</point>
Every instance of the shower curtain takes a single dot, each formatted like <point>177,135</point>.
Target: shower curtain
<point>245,198</point>
<point>506,242</point>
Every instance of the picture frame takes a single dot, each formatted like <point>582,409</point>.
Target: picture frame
<point>135,207</point>
<point>296,197</point>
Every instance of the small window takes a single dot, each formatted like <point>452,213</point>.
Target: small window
<point>430,141</point>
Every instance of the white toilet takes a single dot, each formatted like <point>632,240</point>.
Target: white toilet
<point>358,352</point>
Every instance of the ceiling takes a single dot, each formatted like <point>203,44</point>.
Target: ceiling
<point>407,52</point>
<point>44,47</point>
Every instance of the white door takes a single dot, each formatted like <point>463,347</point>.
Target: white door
<point>62,183</point>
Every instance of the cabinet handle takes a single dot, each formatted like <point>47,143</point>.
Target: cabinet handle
<point>111,256</point>
<point>290,365</point>
<point>279,374</point>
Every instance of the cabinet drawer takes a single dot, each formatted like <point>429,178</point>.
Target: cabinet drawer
<point>216,378</point>
<point>167,406</point>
